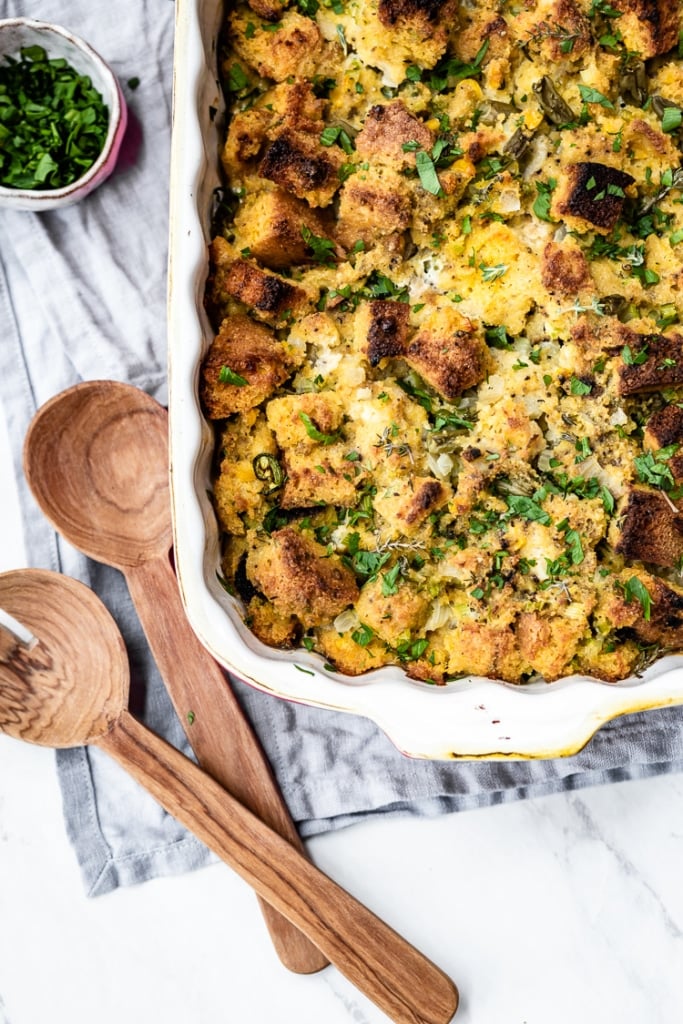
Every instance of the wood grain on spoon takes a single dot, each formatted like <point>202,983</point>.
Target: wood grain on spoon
<point>96,459</point>
<point>72,689</point>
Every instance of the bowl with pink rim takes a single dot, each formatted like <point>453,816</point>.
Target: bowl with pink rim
<point>17,34</point>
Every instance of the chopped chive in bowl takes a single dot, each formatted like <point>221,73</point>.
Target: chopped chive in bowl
<point>53,122</point>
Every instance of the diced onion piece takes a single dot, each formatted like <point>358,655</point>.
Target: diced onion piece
<point>346,620</point>
<point>440,615</point>
<point>441,467</point>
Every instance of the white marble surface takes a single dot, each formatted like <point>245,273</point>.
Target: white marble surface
<point>557,910</point>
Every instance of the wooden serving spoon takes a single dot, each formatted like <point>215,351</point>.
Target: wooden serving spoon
<point>68,686</point>
<point>96,459</point>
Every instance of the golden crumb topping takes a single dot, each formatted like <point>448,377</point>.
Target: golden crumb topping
<point>447,292</point>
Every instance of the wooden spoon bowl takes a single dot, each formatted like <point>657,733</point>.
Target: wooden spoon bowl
<point>68,686</point>
<point>45,694</point>
<point>96,458</point>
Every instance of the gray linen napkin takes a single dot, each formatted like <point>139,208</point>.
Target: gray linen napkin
<point>82,296</point>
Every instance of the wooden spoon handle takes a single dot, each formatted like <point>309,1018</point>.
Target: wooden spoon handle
<point>392,973</point>
<point>218,732</point>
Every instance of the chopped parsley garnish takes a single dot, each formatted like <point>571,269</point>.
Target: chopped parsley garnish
<point>574,548</point>
<point>314,433</point>
<point>589,95</point>
<point>228,376</point>
<point>579,387</point>
<point>602,7</point>
<point>364,563</point>
<point>322,249</point>
<point>652,467</point>
<point>363,635</point>
<point>237,78</point>
<point>379,286</point>
<point>390,580</point>
<point>497,337</point>
<point>336,133</point>
<point>582,446</point>
<point>542,201</point>
<point>308,7</point>
<point>426,170</point>
<point>53,122</point>
<point>449,419</point>
<point>449,71</point>
<point>411,650</point>
<point>527,508</point>
<point>634,358</point>
<point>635,590</point>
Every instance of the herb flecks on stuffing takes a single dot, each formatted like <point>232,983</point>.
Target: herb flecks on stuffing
<point>447,381</point>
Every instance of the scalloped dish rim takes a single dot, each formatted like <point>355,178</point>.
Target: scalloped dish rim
<point>472,718</point>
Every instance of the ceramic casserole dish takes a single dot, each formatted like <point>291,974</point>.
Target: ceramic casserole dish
<point>469,718</point>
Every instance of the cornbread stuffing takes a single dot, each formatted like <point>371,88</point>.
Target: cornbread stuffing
<point>447,292</point>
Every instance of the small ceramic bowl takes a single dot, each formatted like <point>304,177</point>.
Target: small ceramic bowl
<point>16,33</point>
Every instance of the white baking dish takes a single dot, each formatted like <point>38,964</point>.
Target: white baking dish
<point>471,718</point>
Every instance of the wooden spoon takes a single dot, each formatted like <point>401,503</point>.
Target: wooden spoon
<point>69,686</point>
<point>96,459</point>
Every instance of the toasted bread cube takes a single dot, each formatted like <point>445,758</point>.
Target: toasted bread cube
<point>650,530</point>
<point>247,135</point>
<point>649,27</point>
<point>593,194</point>
<point>448,353</point>
<point>394,617</point>
<point>296,102</point>
<point>288,415</point>
<point>405,504</point>
<point>270,225</point>
<point>353,659</point>
<point>298,163</point>
<point>606,662</point>
<point>250,351</point>
<point>382,329</point>
<point>481,649</point>
<point>616,608</point>
<point>665,625</point>
<point>549,643</point>
<point>373,206</point>
<point>659,621</point>
<point>299,576</point>
<point>271,626</point>
<point>649,143</point>
<point>665,428</point>
<point>420,27</point>
<point>327,479</point>
<point>662,369</point>
<point>606,336</point>
<point>564,270</point>
<point>484,25</point>
<point>387,128</point>
<point>269,10</point>
<point>268,296</point>
<point>549,24</point>
<point>293,48</point>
